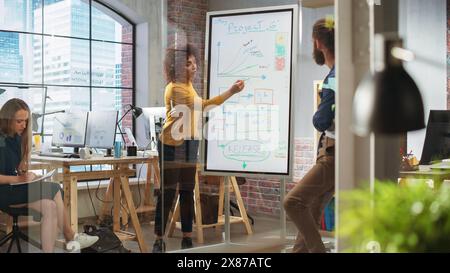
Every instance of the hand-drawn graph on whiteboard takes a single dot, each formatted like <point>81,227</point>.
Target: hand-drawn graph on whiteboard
<point>250,132</point>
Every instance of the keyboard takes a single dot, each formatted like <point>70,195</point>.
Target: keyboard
<point>60,155</point>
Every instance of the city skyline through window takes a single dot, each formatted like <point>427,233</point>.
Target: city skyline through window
<point>79,51</point>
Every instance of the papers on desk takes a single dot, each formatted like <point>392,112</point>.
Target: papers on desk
<point>40,178</point>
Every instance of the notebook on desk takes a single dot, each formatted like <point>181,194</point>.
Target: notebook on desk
<point>38,179</point>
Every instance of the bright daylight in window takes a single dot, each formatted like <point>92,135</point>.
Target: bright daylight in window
<point>79,53</point>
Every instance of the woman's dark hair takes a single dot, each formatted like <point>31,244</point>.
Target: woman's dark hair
<point>7,119</point>
<point>175,62</point>
<point>323,31</point>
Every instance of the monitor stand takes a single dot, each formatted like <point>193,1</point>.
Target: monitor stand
<point>76,150</point>
<point>108,153</point>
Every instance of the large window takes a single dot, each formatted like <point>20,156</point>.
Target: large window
<point>79,53</point>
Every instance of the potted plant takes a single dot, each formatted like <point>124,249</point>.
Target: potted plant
<point>412,218</point>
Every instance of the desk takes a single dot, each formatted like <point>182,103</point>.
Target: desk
<point>437,175</point>
<point>119,174</point>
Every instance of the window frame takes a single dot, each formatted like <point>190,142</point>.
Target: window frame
<point>91,87</point>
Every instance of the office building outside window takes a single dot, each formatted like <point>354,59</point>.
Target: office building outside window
<point>80,50</point>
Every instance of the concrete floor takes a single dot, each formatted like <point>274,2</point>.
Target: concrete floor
<point>265,238</point>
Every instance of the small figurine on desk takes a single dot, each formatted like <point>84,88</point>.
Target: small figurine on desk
<point>409,162</point>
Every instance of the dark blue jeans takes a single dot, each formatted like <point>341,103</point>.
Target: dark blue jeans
<point>178,166</point>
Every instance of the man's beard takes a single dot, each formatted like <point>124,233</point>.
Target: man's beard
<point>319,57</point>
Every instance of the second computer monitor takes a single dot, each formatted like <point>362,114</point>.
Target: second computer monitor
<point>101,129</point>
<point>155,117</point>
<point>69,129</point>
<point>437,140</point>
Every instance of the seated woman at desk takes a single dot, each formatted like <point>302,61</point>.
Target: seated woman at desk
<point>178,144</point>
<point>43,197</point>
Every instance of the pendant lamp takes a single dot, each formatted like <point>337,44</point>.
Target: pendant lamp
<point>388,101</point>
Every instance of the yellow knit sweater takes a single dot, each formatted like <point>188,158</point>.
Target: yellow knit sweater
<point>173,132</point>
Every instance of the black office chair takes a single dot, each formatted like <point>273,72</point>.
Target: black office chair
<point>15,235</point>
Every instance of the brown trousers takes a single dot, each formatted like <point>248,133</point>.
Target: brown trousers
<point>305,203</point>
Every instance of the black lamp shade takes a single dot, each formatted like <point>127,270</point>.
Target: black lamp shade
<point>137,111</point>
<point>398,103</point>
<point>388,102</point>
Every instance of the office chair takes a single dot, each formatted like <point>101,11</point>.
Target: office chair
<point>15,235</point>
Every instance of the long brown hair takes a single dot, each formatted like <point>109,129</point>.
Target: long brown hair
<point>7,119</point>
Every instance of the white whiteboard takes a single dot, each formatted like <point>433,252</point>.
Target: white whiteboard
<point>250,133</point>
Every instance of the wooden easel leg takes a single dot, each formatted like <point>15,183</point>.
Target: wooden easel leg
<point>174,219</point>
<point>124,213</point>
<point>116,205</point>
<point>155,164</point>
<point>221,197</point>
<point>107,199</point>
<point>147,196</point>
<point>198,210</point>
<point>220,216</point>
<point>242,209</point>
<point>134,219</point>
<point>70,196</point>
<point>71,203</point>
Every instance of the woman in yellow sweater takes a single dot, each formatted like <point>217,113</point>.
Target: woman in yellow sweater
<point>178,144</point>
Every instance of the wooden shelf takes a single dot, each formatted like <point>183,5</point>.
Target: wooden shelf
<point>316,3</point>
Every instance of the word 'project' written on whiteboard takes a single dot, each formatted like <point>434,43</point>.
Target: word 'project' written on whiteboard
<point>250,132</point>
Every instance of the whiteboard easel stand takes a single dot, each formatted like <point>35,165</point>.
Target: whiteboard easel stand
<point>282,211</point>
<point>223,217</point>
<point>227,239</point>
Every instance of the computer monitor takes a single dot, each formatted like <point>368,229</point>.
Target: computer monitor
<point>69,129</point>
<point>152,122</point>
<point>437,140</point>
<point>101,129</point>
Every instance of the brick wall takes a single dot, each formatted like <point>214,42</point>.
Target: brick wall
<point>187,19</point>
<point>126,77</point>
